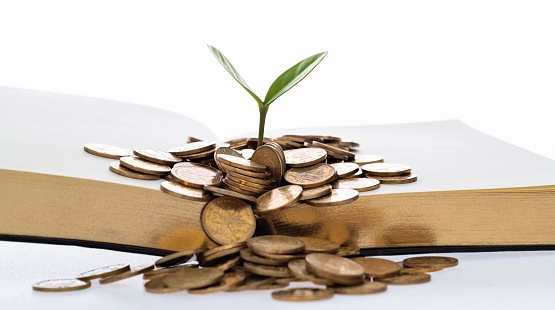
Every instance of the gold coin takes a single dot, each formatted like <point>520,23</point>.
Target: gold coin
<point>252,283</point>
<point>228,220</point>
<point>157,286</point>
<point>246,189</point>
<point>386,169</point>
<point>116,168</point>
<point>225,151</point>
<point>151,274</point>
<point>282,257</point>
<point>315,192</point>
<point>259,175</point>
<point>106,151</point>
<point>304,157</point>
<point>335,198</point>
<point>345,170</point>
<point>249,183</point>
<point>238,189</point>
<point>275,244</point>
<point>363,159</point>
<point>359,184</point>
<point>226,264</point>
<point>61,285</point>
<point>267,271</point>
<point>269,156</point>
<point>268,182</point>
<point>298,269</point>
<point>227,192</point>
<point>103,272</point>
<point>400,179</point>
<point>347,251</point>
<point>193,278</point>
<point>311,176</point>
<point>248,255</point>
<point>419,270</point>
<point>197,175</point>
<point>240,162</point>
<point>303,294</point>
<point>406,279</point>
<point>221,251</point>
<point>377,267</point>
<point>144,166</point>
<point>336,268</point>
<point>229,280</point>
<point>361,289</point>
<point>127,274</point>
<point>430,262</point>
<point>312,245</point>
<point>333,149</point>
<point>156,156</point>
<point>200,155</point>
<point>183,191</point>
<point>279,198</point>
<point>192,148</point>
<point>178,257</point>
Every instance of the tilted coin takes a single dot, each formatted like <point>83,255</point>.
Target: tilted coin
<point>268,271</point>
<point>183,191</point>
<point>106,151</point>
<point>377,267</point>
<point>357,174</point>
<point>157,286</point>
<point>399,179</point>
<point>279,198</point>
<point>269,156</point>
<point>193,278</point>
<point>227,192</point>
<point>386,169</point>
<point>240,162</point>
<point>361,289</point>
<point>315,192</point>
<point>303,294</point>
<point>222,251</point>
<point>241,181</point>
<point>151,274</point>
<point>275,244</point>
<point>197,175</point>
<point>201,155</point>
<point>298,269</point>
<point>156,156</point>
<point>282,257</point>
<point>248,255</point>
<point>144,166</point>
<point>347,251</point>
<point>226,263</point>
<point>247,153</point>
<point>239,190</point>
<point>229,280</point>
<point>268,182</point>
<point>192,148</point>
<point>179,257</point>
<point>304,157</point>
<point>430,261</point>
<point>127,274</point>
<point>61,285</point>
<point>228,220</point>
<point>333,149</point>
<point>359,184</point>
<point>335,198</point>
<point>336,268</point>
<point>252,283</point>
<point>311,176</point>
<point>225,151</point>
<point>103,272</point>
<point>419,270</point>
<point>116,168</point>
<point>406,279</point>
<point>312,245</point>
<point>260,175</point>
<point>248,189</point>
<point>345,170</point>
<point>363,159</point>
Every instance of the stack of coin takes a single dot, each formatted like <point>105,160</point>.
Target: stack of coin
<point>389,173</point>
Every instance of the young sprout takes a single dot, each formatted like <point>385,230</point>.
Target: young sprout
<point>282,84</point>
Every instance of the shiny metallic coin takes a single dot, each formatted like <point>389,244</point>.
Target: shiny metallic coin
<point>303,294</point>
<point>377,267</point>
<point>61,285</point>
<point>317,245</point>
<point>127,274</point>
<point>246,189</point>
<point>345,170</point>
<point>103,272</point>
<point>311,176</point>
<point>248,255</point>
<point>226,263</point>
<point>304,157</point>
<point>335,198</point>
<point>269,156</point>
<point>222,251</point>
<point>333,149</point>
<point>363,159</point>
<point>183,191</point>
<point>241,163</point>
<point>193,278</point>
<point>179,257</point>
<point>151,274</point>
<point>298,269</point>
<point>144,166</point>
<point>200,155</point>
<point>228,220</point>
<point>407,279</point>
<point>225,151</point>
<point>282,257</point>
<point>419,270</point>
<point>197,175</point>
<point>359,184</point>
<point>239,190</point>
<point>275,244</point>
<point>116,168</point>
<point>228,281</point>
<point>192,148</point>
<point>315,192</point>
<point>279,198</point>
<point>430,262</point>
<point>400,179</point>
<point>336,268</point>
<point>106,151</point>
<point>227,192</point>
<point>361,289</point>
<point>386,169</point>
<point>259,175</point>
<point>347,251</point>
<point>156,156</point>
<point>242,181</point>
<point>267,182</point>
<point>157,286</point>
<point>267,271</point>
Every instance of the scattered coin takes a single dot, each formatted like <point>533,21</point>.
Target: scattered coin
<point>178,257</point>
<point>192,148</point>
<point>197,175</point>
<point>315,192</point>
<point>193,278</point>
<point>313,245</point>
<point>335,198</point>
<point>116,168</point>
<point>298,269</point>
<point>106,151</point>
<point>386,169</point>
<point>399,179</point>
<point>275,244</point>
<point>183,191</point>
<point>201,155</point>
<point>157,286</point>
<point>228,220</point>
<point>304,157</point>
<point>430,262</point>
<point>126,274</point>
<point>268,271</point>
<point>144,166</point>
<point>333,149</point>
<point>359,184</point>
<point>240,162</point>
<point>345,170</point>
<point>61,285</point>
<point>229,280</point>
<point>377,267</point>
<point>361,289</point>
<point>103,272</point>
<point>151,274</point>
<point>156,156</point>
<point>363,159</point>
<point>279,198</point>
<point>227,192</point>
<point>303,294</point>
<point>335,268</point>
<point>419,270</point>
<point>311,176</point>
<point>406,279</point>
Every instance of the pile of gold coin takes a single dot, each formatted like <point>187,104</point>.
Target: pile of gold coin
<point>268,262</point>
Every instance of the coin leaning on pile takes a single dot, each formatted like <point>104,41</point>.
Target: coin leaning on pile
<point>268,262</point>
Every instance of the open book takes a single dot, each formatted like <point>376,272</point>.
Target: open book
<point>473,192</point>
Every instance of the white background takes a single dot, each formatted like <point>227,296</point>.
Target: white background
<point>488,63</point>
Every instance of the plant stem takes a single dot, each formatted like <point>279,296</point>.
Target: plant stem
<point>263,110</point>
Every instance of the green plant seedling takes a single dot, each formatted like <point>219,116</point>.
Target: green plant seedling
<point>281,85</point>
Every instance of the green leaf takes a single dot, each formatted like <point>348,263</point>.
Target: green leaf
<point>229,67</point>
<point>292,76</point>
